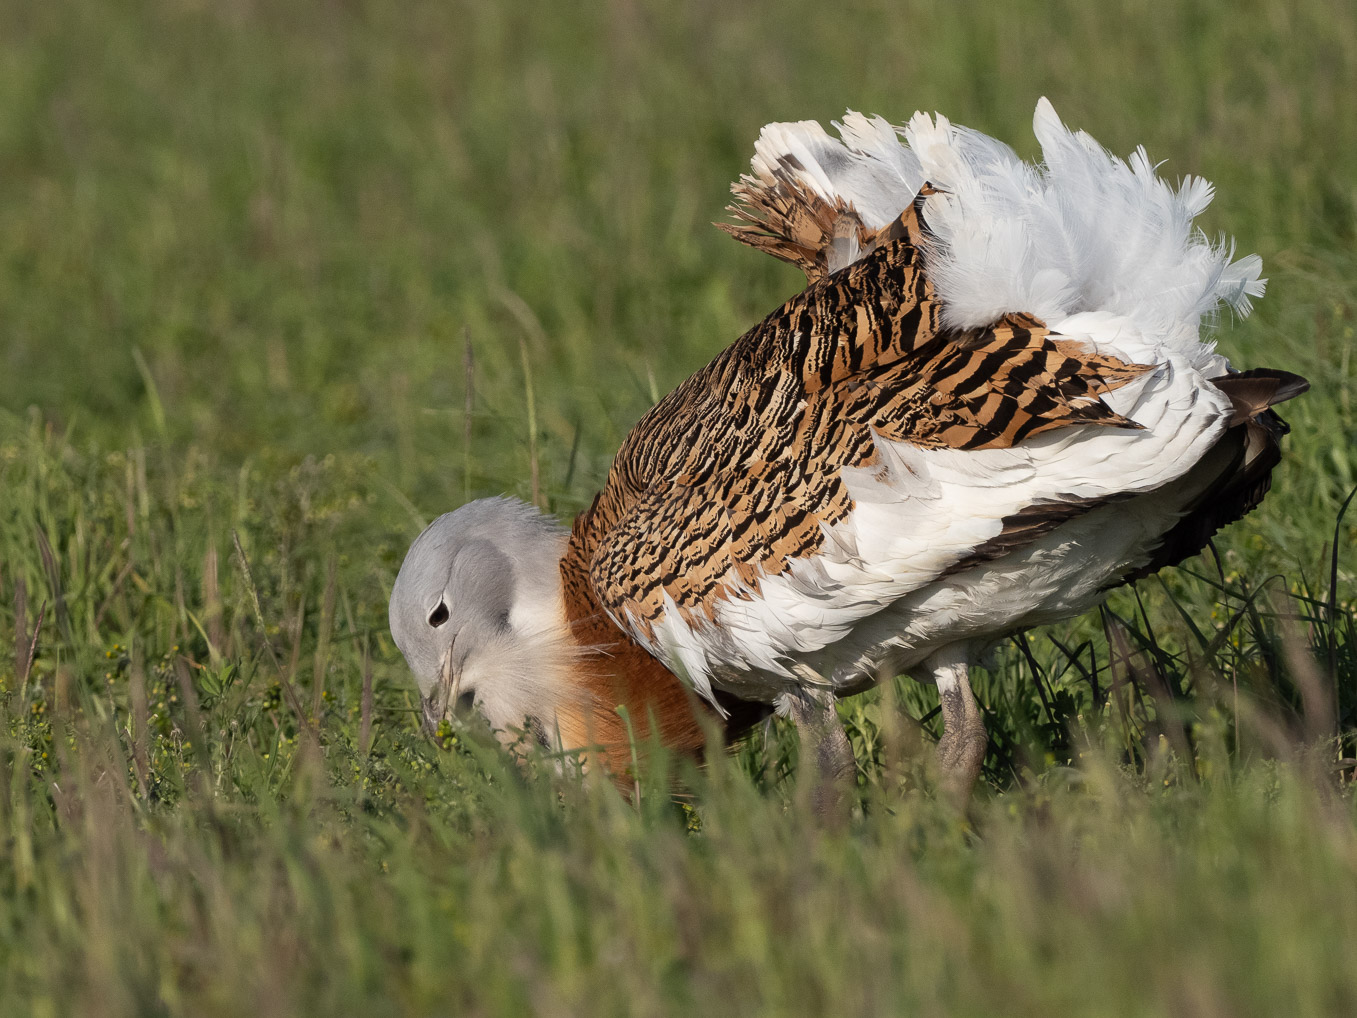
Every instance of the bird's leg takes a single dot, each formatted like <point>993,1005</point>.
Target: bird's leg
<point>822,740</point>
<point>961,749</point>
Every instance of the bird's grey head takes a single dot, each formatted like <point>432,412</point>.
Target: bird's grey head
<point>477,611</point>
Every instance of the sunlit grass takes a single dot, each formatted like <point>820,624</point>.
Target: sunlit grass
<point>243,248</point>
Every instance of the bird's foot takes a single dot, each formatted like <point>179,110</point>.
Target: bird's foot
<point>961,750</point>
<point>960,754</point>
<point>824,746</point>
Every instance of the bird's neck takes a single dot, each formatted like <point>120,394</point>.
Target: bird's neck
<point>627,696</point>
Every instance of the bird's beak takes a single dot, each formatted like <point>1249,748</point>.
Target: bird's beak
<point>443,695</point>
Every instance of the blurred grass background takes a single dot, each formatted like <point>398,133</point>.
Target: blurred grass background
<point>242,246</point>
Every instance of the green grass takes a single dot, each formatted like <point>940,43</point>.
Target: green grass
<point>242,246</point>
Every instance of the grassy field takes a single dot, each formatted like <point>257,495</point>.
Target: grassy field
<point>244,248</point>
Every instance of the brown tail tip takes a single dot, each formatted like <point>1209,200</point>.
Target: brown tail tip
<point>1253,391</point>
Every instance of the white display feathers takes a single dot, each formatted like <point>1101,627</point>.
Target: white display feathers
<point>1082,231</point>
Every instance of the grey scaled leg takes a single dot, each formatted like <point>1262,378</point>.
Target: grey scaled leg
<point>961,750</point>
<point>822,741</point>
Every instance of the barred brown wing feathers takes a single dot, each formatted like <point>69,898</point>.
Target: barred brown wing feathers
<point>699,545</point>
<point>738,472</point>
<point>783,217</point>
<point>997,386</point>
<point>789,221</point>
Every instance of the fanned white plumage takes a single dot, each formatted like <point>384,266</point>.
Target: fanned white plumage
<point>869,167</point>
<point>1082,231</point>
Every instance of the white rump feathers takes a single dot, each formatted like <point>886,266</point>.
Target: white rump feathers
<point>1083,231</point>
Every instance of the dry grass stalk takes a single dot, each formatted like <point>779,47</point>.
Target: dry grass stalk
<point>365,717</point>
<point>284,681</point>
<point>27,665</point>
<point>140,719</point>
<point>327,622</point>
<point>469,366</point>
<point>212,605</point>
<point>20,630</point>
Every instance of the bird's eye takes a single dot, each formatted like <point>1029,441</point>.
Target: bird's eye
<point>439,615</point>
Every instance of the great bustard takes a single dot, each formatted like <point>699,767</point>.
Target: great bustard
<point>990,405</point>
